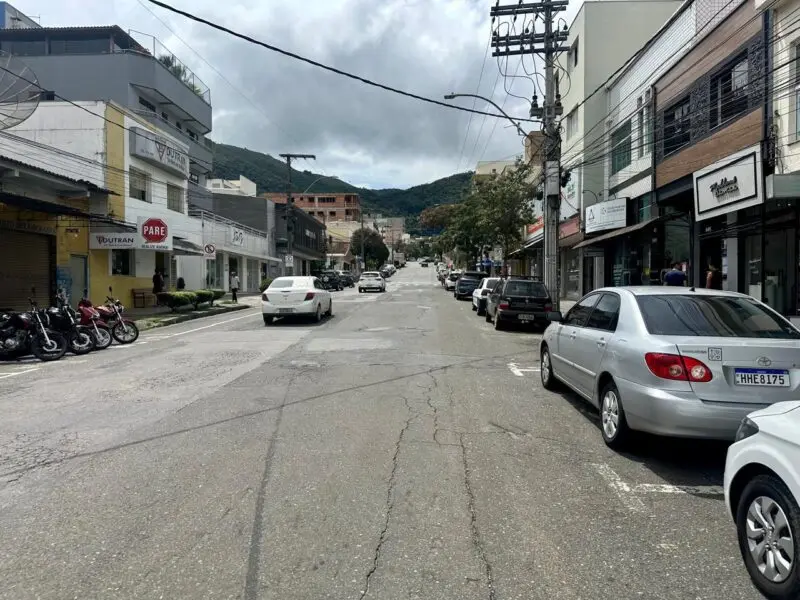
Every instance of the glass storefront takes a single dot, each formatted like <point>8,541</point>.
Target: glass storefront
<point>571,274</point>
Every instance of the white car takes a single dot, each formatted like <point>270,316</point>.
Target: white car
<point>450,280</point>
<point>481,292</point>
<point>296,296</point>
<point>371,280</point>
<point>762,492</point>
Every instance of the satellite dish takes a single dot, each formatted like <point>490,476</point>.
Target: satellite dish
<point>19,91</point>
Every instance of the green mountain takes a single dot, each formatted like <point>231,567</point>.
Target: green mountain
<point>269,174</point>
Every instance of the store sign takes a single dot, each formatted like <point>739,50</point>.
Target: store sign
<point>237,237</point>
<point>288,260</point>
<point>728,185</point>
<point>535,229</point>
<point>113,241</point>
<point>210,251</point>
<point>153,234</point>
<point>159,151</point>
<point>606,215</point>
<point>569,227</point>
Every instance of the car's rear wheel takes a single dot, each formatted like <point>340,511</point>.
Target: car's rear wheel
<point>318,314</point>
<point>613,424</point>
<point>768,526</point>
<point>360,290</point>
<point>330,309</point>
<point>268,320</point>
<point>549,381</point>
<point>498,324</point>
<point>481,308</point>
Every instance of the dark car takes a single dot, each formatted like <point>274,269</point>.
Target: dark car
<point>424,263</point>
<point>347,279</point>
<point>331,280</point>
<point>519,300</point>
<point>467,283</point>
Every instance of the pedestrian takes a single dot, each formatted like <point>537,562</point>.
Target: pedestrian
<point>713,277</point>
<point>234,287</point>
<point>158,282</point>
<point>675,276</point>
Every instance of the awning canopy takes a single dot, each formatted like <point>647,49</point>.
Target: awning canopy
<point>616,233</point>
<point>182,246</point>
<point>53,208</point>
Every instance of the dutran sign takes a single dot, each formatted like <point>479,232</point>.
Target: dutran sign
<point>159,151</point>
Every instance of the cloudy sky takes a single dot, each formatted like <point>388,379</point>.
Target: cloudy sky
<point>270,103</point>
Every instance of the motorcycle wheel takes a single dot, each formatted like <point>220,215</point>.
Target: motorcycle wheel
<point>81,341</point>
<point>102,337</point>
<point>54,350</point>
<point>121,335</point>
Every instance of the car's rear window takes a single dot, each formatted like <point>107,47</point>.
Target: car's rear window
<point>716,316</point>
<point>370,274</point>
<point>475,275</point>
<point>454,276</point>
<point>286,283</point>
<point>531,289</point>
<point>491,282</point>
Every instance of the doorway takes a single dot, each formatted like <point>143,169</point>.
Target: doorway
<point>78,267</point>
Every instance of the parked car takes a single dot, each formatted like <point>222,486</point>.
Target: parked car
<point>423,263</point>
<point>331,280</point>
<point>296,296</point>
<point>672,361</point>
<point>467,283</point>
<point>480,294</point>
<point>762,493</point>
<point>519,300</point>
<point>346,278</point>
<point>450,280</point>
<point>371,280</point>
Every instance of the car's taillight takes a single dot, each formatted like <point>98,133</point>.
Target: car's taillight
<point>503,306</point>
<point>264,298</point>
<point>309,296</point>
<point>548,307</point>
<point>677,367</point>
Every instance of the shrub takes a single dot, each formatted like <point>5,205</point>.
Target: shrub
<point>204,296</point>
<point>218,294</point>
<point>264,284</point>
<point>174,300</point>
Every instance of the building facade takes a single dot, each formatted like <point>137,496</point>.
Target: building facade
<point>325,207</point>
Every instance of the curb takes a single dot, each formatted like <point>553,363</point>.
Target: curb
<point>145,324</point>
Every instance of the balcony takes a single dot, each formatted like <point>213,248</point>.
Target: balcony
<point>200,154</point>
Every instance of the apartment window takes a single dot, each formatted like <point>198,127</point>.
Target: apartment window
<point>677,121</point>
<point>648,123</point>
<point>80,46</point>
<point>640,125</point>
<point>331,213</point>
<point>122,262</point>
<point>574,53</point>
<point>621,147</point>
<point>139,185</point>
<point>24,48</point>
<point>729,92</point>
<point>46,96</point>
<point>572,124</point>
<point>175,198</point>
<point>165,116</point>
<point>147,105</point>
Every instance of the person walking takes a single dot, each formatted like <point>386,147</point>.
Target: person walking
<point>713,277</point>
<point>675,276</point>
<point>234,287</point>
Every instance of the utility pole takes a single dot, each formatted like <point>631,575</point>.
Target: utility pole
<point>363,257</point>
<point>290,220</point>
<point>549,45</point>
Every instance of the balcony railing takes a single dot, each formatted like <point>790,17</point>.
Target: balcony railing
<point>171,62</point>
<point>149,114</point>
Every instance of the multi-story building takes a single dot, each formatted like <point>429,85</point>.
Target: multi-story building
<point>133,70</point>
<point>11,18</point>
<point>601,39</point>
<point>325,207</point>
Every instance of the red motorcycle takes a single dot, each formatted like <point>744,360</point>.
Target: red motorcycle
<point>91,319</point>
<point>123,330</point>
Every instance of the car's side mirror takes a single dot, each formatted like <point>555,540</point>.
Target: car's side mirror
<point>555,316</point>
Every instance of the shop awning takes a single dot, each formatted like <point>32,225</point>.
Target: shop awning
<point>184,247</point>
<point>616,233</point>
<point>571,240</point>
<point>50,208</point>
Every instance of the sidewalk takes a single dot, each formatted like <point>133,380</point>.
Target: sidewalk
<point>161,316</point>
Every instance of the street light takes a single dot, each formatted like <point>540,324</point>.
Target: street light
<point>318,179</point>
<point>490,101</point>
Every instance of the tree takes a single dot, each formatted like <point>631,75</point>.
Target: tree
<point>375,250</point>
<point>438,217</point>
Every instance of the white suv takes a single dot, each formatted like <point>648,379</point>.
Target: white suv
<point>762,491</point>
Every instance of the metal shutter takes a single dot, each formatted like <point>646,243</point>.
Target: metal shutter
<point>26,262</point>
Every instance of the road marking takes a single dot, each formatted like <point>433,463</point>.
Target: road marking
<point>6,375</point>
<point>622,489</point>
<point>520,371</point>
<point>250,316</point>
<point>665,488</point>
<point>423,307</point>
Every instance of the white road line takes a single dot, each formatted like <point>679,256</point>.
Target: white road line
<point>622,489</point>
<point>7,375</point>
<point>520,371</point>
<point>250,316</point>
<point>665,488</point>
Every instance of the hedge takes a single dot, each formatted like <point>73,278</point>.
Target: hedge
<point>265,284</point>
<point>176,300</point>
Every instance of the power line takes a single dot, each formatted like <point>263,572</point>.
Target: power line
<point>325,67</point>
<point>474,102</point>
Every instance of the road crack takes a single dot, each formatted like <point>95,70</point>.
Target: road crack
<point>477,542</point>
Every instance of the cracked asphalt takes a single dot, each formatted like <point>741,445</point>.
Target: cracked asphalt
<point>386,453</point>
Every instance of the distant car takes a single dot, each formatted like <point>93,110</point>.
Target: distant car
<point>467,283</point>
<point>450,280</point>
<point>683,362</point>
<point>762,492</point>
<point>331,280</point>
<point>371,280</point>
<point>481,292</point>
<point>295,296</point>
<point>519,300</point>
<point>423,263</point>
<point>346,278</point>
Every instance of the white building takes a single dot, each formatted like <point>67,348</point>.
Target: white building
<point>603,36</point>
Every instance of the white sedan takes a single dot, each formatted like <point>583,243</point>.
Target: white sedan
<point>371,280</point>
<point>762,491</point>
<point>296,296</point>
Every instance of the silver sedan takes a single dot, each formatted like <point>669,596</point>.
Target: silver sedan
<point>672,361</point>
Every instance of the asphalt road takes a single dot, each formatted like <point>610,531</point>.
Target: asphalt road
<point>400,450</point>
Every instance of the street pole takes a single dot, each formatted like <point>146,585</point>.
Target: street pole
<point>549,45</point>
<point>363,257</point>
<point>290,203</point>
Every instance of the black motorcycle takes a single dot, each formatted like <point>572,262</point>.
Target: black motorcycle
<point>23,333</point>
<point>66,321</point>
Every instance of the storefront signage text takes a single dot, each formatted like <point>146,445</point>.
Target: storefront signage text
<point>606,215</point>
<point>535,229</point>
<point>155,149</point>
<point>153,234</point>
<point>728,185</point>
<point>112,241</point>
<point>569,227</point>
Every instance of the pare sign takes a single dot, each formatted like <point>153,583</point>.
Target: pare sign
<point>154,234</point>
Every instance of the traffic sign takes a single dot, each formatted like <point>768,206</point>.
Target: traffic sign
<point>210,251</point>
<point>154,231</point>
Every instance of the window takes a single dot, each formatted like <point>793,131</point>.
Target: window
<point>147,104</point>
<point>640,126</point>
<point>729,92</point>
<point>175,198</point>
<point>165,116</point>
<point>676,127</point>
<point>579,313</point>
<point>648,122</point>
<point>80,46</point>
<point>122,262</point>
<point>531,289</point>
<point>715,316</point>
<point>24,48</point>
<point>46,96</point>
<point>139,185</point>
<point>572,124</point>
<point>606,314</point>
<point>572,56</point>
<point>621,147</point>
